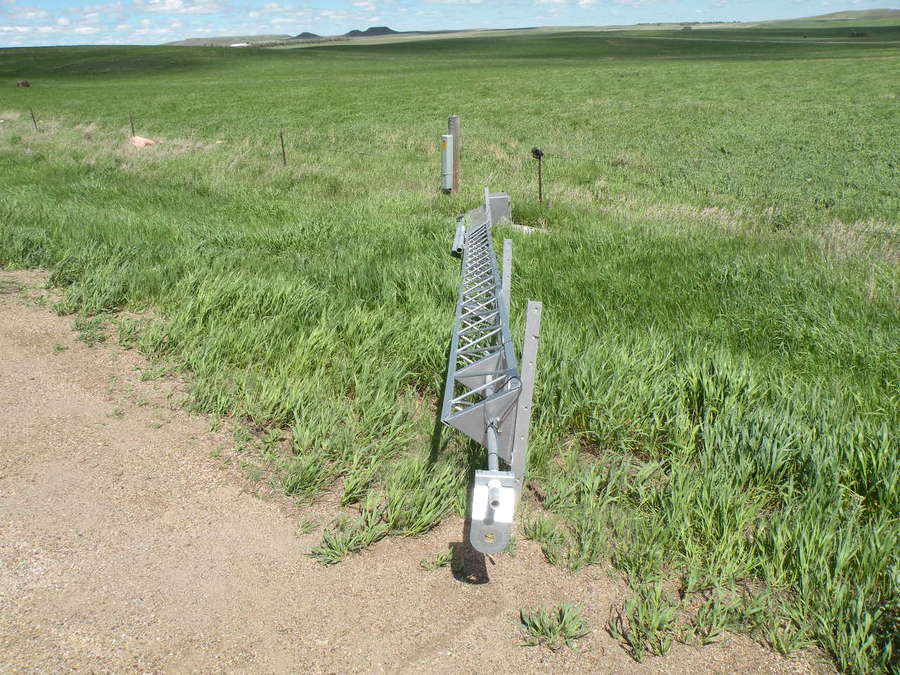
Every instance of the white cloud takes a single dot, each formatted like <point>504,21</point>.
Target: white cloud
<point>277,8</point>
<point>95,10</point>
<point>28,14</point>
<point>152,31</point>
<point>180,6</point>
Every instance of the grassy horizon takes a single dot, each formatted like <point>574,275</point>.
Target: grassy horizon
<point>716,406</point>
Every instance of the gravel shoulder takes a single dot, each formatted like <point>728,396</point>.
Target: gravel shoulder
<point>126,545</point>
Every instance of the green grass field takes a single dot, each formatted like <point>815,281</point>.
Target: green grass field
<point>716,412</point>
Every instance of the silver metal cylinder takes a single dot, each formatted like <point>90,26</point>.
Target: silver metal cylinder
<point>494,494</point>
<point>459,240</point>
<point>493,458</point>
<point>447,163</point>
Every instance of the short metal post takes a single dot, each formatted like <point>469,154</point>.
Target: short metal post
<point>506,288</point>
<point>131,120</point>
<point>538,154</point>
<point>540,180</point>
<point>447,164</point>
<point>459,239</point>
<point>523,416</point>
<point>33,119</point>
<point>453,130</point>
<point>283,153</point>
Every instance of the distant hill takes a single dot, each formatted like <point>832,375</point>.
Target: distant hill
<point>371,31</point>
<point>858,15</point>
<point>225,41</point>
<point>868,17</point>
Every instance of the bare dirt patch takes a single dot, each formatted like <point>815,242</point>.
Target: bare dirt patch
<point>126,545</point>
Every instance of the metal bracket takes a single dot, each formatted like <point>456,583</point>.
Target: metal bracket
<point>493,510</point>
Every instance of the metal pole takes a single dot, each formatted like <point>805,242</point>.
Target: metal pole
<point>447,164</point>
<point>493,457</point>
<point>459,239</point>
<point>523,416</point>
<point>540,180</point>
<point>33,120</point>
<point>453,130</point>
<point>131,119</point>
<point>283,153</point>
<point>506,287</point>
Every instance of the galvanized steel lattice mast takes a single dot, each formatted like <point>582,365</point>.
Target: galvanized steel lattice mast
<point>486,396</point>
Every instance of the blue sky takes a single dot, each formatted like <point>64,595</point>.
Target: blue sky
<point>56,22</point>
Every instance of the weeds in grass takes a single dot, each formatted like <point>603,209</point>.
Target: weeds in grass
<point>647,623</point>
<point>129,332</point>
<point>716,616</point>
<point>588,542</point>
<point>347,537</point>
<point>437,561</point>
<point>90,329</point>
<point>151,374</point>
<point>270,443</point>
<point>252,471</point>
<point>306,526</point>
<point>553,627</point>
<point>358,480</point>
<point>418,496</point>
<point>542,529</point>
<point>306,476</point>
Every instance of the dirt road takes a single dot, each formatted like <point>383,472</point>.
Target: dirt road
<point>125,545</point>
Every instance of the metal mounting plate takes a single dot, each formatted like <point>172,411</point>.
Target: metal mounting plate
<point>493,510</point>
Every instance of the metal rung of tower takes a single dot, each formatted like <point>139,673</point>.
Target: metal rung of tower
<point>486,397</point>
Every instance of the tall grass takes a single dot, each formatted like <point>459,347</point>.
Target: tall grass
<point>716,409</point>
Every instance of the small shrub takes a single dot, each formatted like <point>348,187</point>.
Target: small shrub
<point>646,623</point>
<point>346,538</point>
<point>305,526</point>
<point>553,627</point>
<point>442,559</point>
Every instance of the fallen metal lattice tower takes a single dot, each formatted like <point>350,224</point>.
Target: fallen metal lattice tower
<point>485,395</point>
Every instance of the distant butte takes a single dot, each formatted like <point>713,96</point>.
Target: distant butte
<point>371,31</point>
